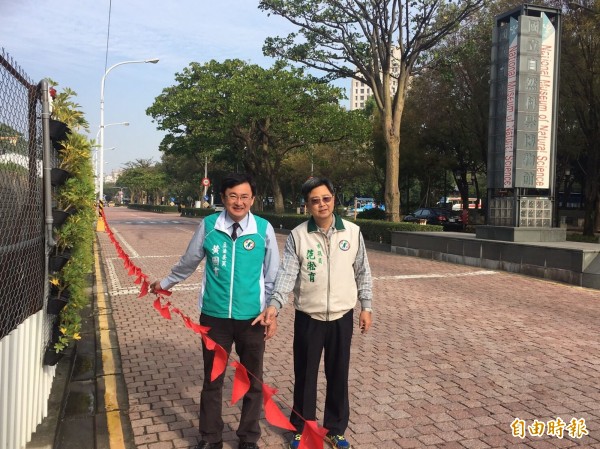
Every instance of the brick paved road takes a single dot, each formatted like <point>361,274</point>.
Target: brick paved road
<point>454,356</point>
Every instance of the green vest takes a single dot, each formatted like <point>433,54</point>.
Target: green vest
<point>234,281</point>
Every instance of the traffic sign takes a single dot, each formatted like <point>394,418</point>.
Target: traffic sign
<point>205,182</point>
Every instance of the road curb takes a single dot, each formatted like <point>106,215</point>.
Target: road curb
<point>114,426</point>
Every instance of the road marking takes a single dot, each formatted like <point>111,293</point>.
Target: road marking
<point>131,252</point>
<point>433,276</point>
<point>113,419</point>
<point>114,264</point>
<point>131,291</point>
<point>188,231</point>
<point>147,222</point>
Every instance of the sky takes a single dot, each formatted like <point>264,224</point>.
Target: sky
<point>66,40</point>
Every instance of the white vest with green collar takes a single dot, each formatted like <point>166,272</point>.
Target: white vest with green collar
<point>326,288</point>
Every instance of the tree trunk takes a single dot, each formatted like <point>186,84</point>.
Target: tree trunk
<point>392,171</point>
<point>391,109</point>
<point>272,174</point>
<point>591,198</point>
<point>277,196</point>
<point>597,215</point>
<point>592,189</point>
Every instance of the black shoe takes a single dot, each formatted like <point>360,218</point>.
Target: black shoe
<point>206,445</point>
<point>248,446</point>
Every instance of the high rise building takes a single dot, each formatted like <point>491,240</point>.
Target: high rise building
<point>360,92</point>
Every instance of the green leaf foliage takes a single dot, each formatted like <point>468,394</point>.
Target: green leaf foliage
<point>255,116</point>
<point>379,43</point>
<point>77,234</point>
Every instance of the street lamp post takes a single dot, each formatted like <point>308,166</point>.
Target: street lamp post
<point>95,158</point>
<point>101,174</point>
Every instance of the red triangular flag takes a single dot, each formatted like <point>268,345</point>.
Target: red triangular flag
<point>144,290</point>
<point>241,382</point>
<point>186,320</point>
<point>199,329</point>
<point>273,415</point>
<point>164,311</point>
<point>219,359</point>
<point>159,291</point>
<point>138,280</point>
<point>219,362</point>
<point>312,436</point>
<point>132,269</point>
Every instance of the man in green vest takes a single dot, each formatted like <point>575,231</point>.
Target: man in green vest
<point>241,264</point>
<point>325,264</point>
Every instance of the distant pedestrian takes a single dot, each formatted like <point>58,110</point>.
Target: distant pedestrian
<point>238,279</point>
<point>325,264</point>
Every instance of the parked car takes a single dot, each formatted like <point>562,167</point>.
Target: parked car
<point>218,207</point>
<point>455,222</point>
<point>432,215</point>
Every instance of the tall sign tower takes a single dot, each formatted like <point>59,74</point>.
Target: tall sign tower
<point>522,126</point>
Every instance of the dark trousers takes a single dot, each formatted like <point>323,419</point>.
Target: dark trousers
<point>311,337</point>
<point>250,347</point>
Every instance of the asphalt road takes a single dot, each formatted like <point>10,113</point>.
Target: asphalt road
<point>458,357</point>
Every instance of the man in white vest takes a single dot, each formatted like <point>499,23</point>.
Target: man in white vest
<point>325,264</point>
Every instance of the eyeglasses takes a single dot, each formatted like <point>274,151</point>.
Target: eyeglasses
<point>324,199</point>
<point>235,197</point>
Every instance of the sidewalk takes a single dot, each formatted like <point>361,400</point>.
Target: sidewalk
<point>455,355</point>
<point>79,414</point>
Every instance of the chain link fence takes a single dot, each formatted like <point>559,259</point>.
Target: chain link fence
<point>22,241</point>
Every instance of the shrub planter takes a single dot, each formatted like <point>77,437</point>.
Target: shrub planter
<point>58,133</point>
<point>57,301</point>
<point>51,357</point>
<point>59,217</point>
<point>58,261</point>
<point>58,176</point>
<point>56,304</point>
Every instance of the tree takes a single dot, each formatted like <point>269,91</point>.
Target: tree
<point>378,42</point>
<point>145,179</point>
<point>350,167</point>
<point>261,115</point>
<point>449,105</point>
<point>580,75</point>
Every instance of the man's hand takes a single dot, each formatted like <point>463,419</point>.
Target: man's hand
<point>364,321</point>
<point>155,286</point>
<point>268,319</point>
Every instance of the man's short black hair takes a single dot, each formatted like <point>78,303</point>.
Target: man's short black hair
<point>315,182</point>
<point>235,179</point>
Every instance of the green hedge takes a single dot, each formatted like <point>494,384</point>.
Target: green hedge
<point>153,208</point>
<point>581,238</point>
<point>373,230</point>
<point>196,212</point>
